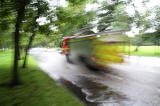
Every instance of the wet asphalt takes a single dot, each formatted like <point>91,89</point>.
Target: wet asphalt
<point>136,82</point>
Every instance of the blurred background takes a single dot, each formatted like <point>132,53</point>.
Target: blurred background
<point>33,56</point>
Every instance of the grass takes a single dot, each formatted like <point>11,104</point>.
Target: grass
<point>153,51</point>
<point>37,88</point>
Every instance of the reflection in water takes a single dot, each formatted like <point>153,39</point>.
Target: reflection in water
<point>95,94</point>
<point>77,91</point>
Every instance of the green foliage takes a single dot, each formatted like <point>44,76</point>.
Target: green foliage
<point>7,18</point>
<point>157,20</point>
<point>46,41</point>
<point>113,16</point>
<point>70,19</point>
<point>121,18</point>
<point>80,3</point>
<point>137,40</point>
<point>6,15</point>
<point>77,2</point>
<point>146,39</point>
<point>141,20</point>
<point>35,10</point>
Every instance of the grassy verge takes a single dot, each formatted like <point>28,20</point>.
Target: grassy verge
<point>153,51</point>
<point>37,88</point>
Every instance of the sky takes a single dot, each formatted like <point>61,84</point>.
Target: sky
<point>129,9</point>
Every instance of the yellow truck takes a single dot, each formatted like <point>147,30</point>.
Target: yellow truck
<point>97,50</point>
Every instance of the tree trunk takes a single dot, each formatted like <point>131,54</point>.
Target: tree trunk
<point>31,39</point>
<point>20,15</point>
<point>19,55</point>
<point>137,48</point>
<point>28,47</point>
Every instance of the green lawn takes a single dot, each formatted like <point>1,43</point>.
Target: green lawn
<point>146,51</point>
<point>37,88</point>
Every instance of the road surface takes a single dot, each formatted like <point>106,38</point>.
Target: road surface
<point>136,82</point>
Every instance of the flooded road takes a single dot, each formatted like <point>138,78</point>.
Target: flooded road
<point>133,83</point>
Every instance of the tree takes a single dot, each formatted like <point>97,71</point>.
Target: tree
<point>145,23</point>
<point>107,17</point>
<point>121,18</point>
<point>157,22</point>
<point>35,11</point>
<point>6,14</point>
<point>7,18</point>
<point>73,17</point>
<point>20,11</point>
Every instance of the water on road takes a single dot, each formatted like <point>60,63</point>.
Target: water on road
<point>133,83</point>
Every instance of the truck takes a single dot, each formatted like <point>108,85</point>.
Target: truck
<point>96,50</point>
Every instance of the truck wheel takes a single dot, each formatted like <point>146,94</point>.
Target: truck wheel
<point>87,63</point>
<point>68,59</point>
